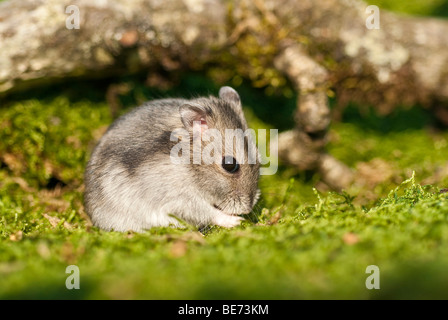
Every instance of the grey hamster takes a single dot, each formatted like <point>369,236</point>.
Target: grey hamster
<point>132,182</point>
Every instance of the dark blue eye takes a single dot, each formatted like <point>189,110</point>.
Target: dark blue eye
<point>230,164</point>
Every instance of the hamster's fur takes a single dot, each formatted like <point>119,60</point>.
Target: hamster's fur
<point>132,184</point>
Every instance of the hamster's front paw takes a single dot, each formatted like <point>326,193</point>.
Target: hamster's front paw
<point>226,221</point>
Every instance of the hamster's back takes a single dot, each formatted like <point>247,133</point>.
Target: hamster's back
<point>143,131</point>
<point>137,137</point>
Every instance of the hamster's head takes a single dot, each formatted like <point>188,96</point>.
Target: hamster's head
<point>225,162</point>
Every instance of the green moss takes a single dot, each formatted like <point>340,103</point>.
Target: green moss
<point>415,7</point>
<point>304,255</point>
<point>405,141</point>
<point>41,141</point>
<point>297,243</point>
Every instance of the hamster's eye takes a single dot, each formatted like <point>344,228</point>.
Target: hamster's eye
<point>230,164</point>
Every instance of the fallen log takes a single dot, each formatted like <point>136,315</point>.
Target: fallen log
<point>322,48</point>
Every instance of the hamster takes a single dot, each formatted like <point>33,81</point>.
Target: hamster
<point>133,182</point>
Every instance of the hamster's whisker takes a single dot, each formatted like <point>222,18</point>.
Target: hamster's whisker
<point>272,194</point>
<point>223,205</point>
<point>256,210</point>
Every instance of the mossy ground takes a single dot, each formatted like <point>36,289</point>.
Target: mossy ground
<point>298,243</point>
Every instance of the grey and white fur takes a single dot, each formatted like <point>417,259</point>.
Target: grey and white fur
<point>132,184</point>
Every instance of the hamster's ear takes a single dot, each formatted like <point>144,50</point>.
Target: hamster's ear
<point>189,113</point>
<point>228,93</point>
